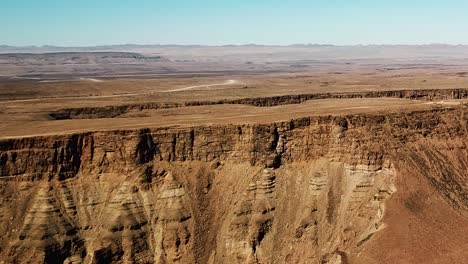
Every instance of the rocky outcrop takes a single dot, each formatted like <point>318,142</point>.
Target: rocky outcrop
<point>310,190</point>
<point>118,110</point>
<point>252,220</point>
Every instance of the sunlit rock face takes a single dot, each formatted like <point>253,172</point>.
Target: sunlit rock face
<point>311,190</point>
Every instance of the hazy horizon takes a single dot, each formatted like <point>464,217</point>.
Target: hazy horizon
<point>234,45</point>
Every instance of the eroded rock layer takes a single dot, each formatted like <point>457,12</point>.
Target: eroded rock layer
<point>311,190</point>
<point>118,110</point>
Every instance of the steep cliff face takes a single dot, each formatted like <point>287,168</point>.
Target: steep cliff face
<point>311,190</point>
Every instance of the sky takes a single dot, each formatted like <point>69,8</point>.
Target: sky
<point>222,22</point>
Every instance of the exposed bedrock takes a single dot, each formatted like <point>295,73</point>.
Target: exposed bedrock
<point>116,111</point>
<point>311,190</point>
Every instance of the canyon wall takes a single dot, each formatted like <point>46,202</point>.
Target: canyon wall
<point>118,110</point>
<point>310,190</point>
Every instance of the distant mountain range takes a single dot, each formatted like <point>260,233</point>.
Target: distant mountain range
<point>138,46</point>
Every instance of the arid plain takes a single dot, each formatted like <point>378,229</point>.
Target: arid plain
<point>21,115</point>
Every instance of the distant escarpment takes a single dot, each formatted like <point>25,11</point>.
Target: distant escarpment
<point>115,111</point>
<point>310,190</point>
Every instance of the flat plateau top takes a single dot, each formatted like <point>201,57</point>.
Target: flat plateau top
<point>25,106</point>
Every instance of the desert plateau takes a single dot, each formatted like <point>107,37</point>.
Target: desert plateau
<point>234,154</point>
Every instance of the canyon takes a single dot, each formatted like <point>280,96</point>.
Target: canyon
<point>303,167</point>
<point>311,189</point>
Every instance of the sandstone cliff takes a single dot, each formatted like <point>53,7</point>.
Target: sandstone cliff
<point>310,190</point>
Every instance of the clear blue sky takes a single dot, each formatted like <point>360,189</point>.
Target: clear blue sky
<point>218,22</point>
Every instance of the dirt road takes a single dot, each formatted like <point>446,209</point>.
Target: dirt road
<point>229,82</point>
